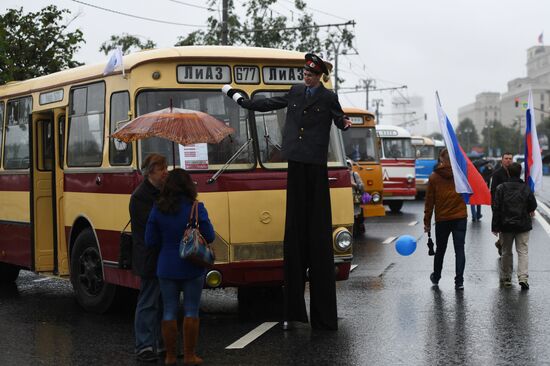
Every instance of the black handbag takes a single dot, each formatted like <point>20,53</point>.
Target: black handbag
<point>125,253</point>
<point>193,246</point>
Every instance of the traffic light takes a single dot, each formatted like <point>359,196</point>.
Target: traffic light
<point>516,100</point>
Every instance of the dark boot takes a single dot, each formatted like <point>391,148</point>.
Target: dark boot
<point>170,333</point>
<point>190,338</point>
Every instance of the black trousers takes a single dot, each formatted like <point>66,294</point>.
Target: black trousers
<point>308,245</point>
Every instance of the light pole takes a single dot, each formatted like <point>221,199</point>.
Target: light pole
<point>468,131</point>
<point>377,103</point>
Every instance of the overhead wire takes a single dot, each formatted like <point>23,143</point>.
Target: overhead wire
<point>318,11</point>
<point>192,5</point>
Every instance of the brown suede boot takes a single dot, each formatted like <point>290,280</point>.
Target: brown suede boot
<point>170,333</point>
<point>190,338</point>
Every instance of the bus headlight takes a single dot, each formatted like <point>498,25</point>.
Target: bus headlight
<point>410,178</point>
<point>342,239</point>
<point>376,197</point>
<point>213,279</point>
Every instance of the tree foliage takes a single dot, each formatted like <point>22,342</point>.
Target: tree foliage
<point>35,44</point>
<point>498,139</point>
<point>127,42</point>
<point>467,134</point>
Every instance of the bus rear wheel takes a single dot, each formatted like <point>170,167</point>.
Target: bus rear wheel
<point>91,291</point>
<point>8,273</point>
<point>395,206</point>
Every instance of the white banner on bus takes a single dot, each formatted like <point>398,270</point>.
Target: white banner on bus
<point>194,157</point>
<point>283,75</point>
<point>204,74</point>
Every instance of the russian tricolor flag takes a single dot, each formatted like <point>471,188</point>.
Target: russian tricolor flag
<point>468,181</point>
<point>533,159</point>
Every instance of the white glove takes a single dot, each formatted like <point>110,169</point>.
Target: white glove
<point>232,93</point>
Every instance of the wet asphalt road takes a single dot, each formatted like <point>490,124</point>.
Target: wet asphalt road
<point>389,313</point>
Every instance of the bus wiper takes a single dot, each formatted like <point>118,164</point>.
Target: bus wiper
<point>229,161</point>
<point>268,138</point>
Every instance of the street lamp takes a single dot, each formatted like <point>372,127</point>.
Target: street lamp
<point>377,103</point>
<point>468,131</point>
<point>489,125</point>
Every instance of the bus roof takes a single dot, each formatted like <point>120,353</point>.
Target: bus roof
<point>397,131</point>
<point>422,141</point>
<point>353,110</point>
<point>87,72</point>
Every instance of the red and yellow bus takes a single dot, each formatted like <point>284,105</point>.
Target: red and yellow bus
<point>65,185</point>
<point>362,146</point>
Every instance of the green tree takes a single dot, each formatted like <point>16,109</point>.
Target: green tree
<point>467,134</point>
<point>127,42</point>
<point>498,139</point>
<point>36,44</point>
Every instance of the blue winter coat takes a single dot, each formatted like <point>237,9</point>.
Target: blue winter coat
<point>166,231</point>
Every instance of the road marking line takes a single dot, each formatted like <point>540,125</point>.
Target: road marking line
<point>413,223</point>
<point>389,240</point>
<point>42,279</point>
<point>251,336</point>
<point>353,266</point>
<point>543,223</point>
<point>544,207</point>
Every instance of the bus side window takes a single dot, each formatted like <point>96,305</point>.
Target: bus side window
<point>86,126</point>
<point>16,148</point>
<point>120,153</point>
<point>1,128</point>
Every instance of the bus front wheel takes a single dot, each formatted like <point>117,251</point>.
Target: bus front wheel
<point>91,291</point>
<point>8,273</point>
<point>395,206</point>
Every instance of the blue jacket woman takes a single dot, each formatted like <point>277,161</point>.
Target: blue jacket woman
<point>165,228</point>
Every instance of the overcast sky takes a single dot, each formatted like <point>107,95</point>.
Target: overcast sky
<point>460,48</point>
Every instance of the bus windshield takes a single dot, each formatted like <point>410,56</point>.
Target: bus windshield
<point>425,152</point>
<point>361,144</point>
<point>270,136</point>
<point>213,103</point>
<point>397,148</point>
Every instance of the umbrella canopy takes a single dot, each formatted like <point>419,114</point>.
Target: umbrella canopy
<point>183,126</point>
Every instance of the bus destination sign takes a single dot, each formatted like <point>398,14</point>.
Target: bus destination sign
<point>247,74</point>
<point>355,120</point>
<point>204,74</point>
<point>283,75</point>
<point>387,133</point>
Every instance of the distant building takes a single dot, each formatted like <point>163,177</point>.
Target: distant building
<point>509,107</point>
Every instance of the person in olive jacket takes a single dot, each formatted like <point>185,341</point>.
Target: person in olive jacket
<point>144,260</point>
<point>450,217</point>
<point>513,206</point>
<point>311,110</point>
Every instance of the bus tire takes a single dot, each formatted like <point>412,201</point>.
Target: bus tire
<point>91,291</point>
<point>395,206</point>
<point>8,273</point>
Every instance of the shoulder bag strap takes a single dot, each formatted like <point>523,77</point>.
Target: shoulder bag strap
<point>124,230</point>
<point>191,214</point>
<point>196,214</point>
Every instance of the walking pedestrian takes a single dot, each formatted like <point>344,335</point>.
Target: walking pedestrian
<point>486,171</point>
<point>513,206</point>
<point>165,228</point>
<point>311,109</point>
<point>500,176</point>
<point>144,260</point>
<point>450,218</point>
<point>358,188</point>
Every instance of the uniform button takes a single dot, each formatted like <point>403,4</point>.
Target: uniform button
<point>300,137</point>
<point>305,112</point>
<point>302,129</point>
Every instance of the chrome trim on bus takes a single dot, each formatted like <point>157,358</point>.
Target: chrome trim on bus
<point>99,170</point>
<point>343,259</point>
<point>110,263</point>
<point>15,171</point>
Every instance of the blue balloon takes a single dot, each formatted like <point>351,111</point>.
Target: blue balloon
<point>405,245</point>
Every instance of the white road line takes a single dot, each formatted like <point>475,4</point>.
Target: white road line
<point>412,223</point>
<point>353,266</point>
<point>544,208</point>
<point>543,223</point>
<point>42,279</point>
<point>389,240</point>
<point>251,336</point>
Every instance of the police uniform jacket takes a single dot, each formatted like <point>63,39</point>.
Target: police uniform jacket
<point>308,121</point>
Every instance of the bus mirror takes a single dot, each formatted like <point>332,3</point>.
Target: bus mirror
<point>130,115</point>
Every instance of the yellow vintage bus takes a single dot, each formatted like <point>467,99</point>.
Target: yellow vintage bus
<point>362,146</point>
<point>65,184</point>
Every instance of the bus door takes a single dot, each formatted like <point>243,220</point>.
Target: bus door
<point>45,193</point>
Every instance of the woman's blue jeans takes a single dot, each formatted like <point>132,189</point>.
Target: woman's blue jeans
<point>170,290</point>
<point>442,231</point>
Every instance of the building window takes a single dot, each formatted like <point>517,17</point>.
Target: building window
<point>86,126</point>
<point>16,148</point>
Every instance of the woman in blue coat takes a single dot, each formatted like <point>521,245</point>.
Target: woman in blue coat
<point>165,227</point>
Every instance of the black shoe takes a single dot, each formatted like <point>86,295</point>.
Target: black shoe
<point>459,286</point>
<point>435,281</point>
<point>499,247</point>
<point>147,356</point>
<point>524,285</point>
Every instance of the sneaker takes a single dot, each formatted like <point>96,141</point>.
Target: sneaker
<point>524,285</point>
<point>499,247</point>
<point>459,286</point>
<point>435,281</point>
<point>147,355</point>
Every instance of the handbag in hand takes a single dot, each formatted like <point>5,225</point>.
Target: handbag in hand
<point>125,252</point>
<point>193,246</point>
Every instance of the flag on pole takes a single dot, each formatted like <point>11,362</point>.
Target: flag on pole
<point>541,38</point>
<point>468,182</point>
<point>533,159</point>
<point>114,62</point>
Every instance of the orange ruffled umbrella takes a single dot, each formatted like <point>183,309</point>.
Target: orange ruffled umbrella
<point>183,126</point>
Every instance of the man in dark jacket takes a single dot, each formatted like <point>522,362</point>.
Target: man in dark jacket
<point>144,259</point>
<point>513,206</point>
<point>311,109</point>
<point>500,176</point>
